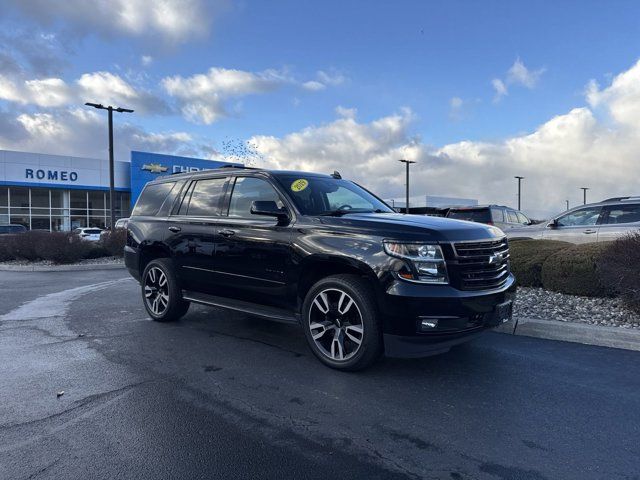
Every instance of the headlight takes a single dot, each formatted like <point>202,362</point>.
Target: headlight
<point>426,261</point>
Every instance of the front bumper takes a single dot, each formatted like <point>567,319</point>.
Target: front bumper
<point>454,316</point>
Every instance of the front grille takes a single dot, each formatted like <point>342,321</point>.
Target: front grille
<point>482,265</point>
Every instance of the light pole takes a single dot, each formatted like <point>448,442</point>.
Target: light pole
<point>407,163</point>
<point>567,204</point>
<point>110,109</point>
<point>584,192</point>
<point>519,190</point>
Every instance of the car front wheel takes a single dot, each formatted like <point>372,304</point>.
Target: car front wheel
<point>341,324</point>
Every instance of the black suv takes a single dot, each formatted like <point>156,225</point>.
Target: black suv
<point>318,251</point>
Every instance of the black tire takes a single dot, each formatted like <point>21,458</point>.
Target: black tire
<point>175,307</point>
<point>329,345</point>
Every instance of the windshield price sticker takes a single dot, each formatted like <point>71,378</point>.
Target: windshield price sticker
<point>299,185</point>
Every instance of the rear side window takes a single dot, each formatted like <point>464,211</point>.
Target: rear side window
<point>480,215</point>
<point>623,214</point>
<point>205,197</point>
<point>152,198</point>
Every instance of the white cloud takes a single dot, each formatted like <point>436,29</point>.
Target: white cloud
<point>500,88</point>
<point>203,97</point>
<point>346,112</point>
<point>146,60</point>
<point>519,74</point>
<point>174,21</point>
<point>82,132</point>
<point>100,87</point>
<point>456,108</point>
<point>332,78</point>
<point>569,151</point>
<point>313,86</point>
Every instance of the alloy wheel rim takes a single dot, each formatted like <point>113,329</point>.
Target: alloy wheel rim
<point>335,323</point>
<point>156,291</point>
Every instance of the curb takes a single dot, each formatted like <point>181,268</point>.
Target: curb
<point>613,337</point>
<point>61,268</point>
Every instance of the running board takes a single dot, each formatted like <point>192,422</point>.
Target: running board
<point>272,313</point>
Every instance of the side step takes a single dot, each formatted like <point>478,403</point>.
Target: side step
<point>272,313</point>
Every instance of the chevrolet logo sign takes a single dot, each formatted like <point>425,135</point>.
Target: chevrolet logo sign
<point>154,167</point>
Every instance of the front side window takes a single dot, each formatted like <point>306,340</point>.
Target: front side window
<point>522,219</point>
<point>623,214</point>
<point>206,197</point>
<point>248,190</point>
<point>315,195</point>
<point>511,215</point>
<point>582,217</point>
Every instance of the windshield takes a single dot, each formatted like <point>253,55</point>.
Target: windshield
<point>478,215</point>
<point>326,195</point>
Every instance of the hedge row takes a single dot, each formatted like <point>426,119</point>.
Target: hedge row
<point>592,269</point>
<point>59,247</point>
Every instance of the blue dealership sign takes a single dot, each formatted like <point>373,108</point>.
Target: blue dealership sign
<point>146,167</point>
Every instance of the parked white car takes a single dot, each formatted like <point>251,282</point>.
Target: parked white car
<point>89,234</point>
<point>597,222</point>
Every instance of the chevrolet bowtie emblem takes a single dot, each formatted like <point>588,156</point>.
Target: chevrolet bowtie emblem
<point>154,167</point>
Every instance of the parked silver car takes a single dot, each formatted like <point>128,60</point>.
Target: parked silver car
<point>500,216</point>
<point>596,222</point>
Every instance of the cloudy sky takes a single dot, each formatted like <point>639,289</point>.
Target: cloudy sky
<point>474,92</point>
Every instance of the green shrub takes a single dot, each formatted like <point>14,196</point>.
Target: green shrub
<point>96,250</point>
<point>527,257</point>
<point>6,248</point>
<point>115,241</point>
<point>574,270</point>
<point>619,268</point>
<point>62,247</point>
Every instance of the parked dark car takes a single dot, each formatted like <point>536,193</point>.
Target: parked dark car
<point>318,251</point>
<point>500,216</point>
<point>12,229</point>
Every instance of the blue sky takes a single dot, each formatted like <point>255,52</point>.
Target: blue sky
<point>419,77</point>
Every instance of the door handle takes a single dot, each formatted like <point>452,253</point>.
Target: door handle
<point>227,233</point>
<point>589,231</point>
<point>174,229</point>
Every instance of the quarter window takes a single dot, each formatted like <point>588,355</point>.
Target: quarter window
<point>497,214</point>
<point>623,214</point>
<point>248,190</point>
<point>583,217</point>
<point>151,198</point>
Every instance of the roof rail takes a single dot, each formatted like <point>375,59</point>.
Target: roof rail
<point>241,166</point>
<point>619,199</point>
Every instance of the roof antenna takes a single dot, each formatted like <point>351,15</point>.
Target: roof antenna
<point>336,174</point>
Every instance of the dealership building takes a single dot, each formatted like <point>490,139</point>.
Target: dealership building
<point>60,193</point>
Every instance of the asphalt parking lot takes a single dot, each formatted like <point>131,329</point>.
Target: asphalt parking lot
<point>223,395</point>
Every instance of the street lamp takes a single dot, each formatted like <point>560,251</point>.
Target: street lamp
<point>567,204</point>
<point>407,163</point>
<point>110,109</point>
<point>519,190</point>
<point>584,191</point>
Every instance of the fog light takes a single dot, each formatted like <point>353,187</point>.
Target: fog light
<point>429,324</point>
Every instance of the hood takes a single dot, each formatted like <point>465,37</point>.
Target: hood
<point>415,227</point>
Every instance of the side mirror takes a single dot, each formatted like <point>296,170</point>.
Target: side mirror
<point>268,208</point>
<point>553,223</point>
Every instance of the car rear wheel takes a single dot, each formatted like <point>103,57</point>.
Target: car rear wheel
<point>161,293</point>
<point>340,322</point>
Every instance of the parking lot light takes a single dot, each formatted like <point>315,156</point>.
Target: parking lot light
<point>519,190</point>
<point>110,109</point>
<point>584,192</point>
